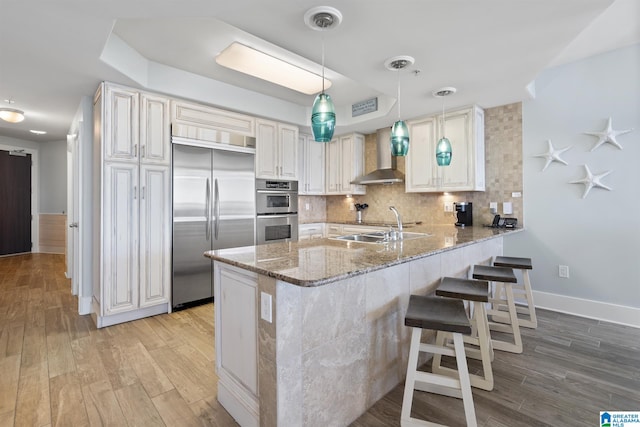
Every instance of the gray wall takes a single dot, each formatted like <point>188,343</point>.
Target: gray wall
<point>597,237</point>
<point>53,177</point>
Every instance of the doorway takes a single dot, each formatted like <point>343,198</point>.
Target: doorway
<point>15,202</point>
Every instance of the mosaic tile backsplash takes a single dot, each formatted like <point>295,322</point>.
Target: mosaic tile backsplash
<point>503,175</point>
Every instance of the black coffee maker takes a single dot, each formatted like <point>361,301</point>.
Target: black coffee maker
<point>464,212</point>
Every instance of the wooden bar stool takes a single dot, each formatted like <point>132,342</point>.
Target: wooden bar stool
<point>524,265</point>
<point>440,314</point>
<point>477,293</point>
<point>509,319</point>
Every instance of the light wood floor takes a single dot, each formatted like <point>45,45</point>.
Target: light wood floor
<point>56,368</point>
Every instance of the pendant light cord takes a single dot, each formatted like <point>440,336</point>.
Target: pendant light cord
<point>322,64</point>
<point>443,116</point>
<point>399,115</point>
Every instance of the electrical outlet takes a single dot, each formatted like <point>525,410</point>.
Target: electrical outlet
<point>448,206</point>
<point>306,206</point>
<point>265,307</point>
<point>563,271</point>
<point>352,207</point>
<point>493,207</point>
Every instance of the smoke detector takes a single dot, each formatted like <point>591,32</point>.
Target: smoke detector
<point>323,18</point>
<point>399,62</point>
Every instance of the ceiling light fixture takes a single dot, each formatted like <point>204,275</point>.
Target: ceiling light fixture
<point>258,64</point>
<point>399,130</point>
<point>443,147</point>
<point>11,115</point>
<point>323,112</point>
<point>38,132</point>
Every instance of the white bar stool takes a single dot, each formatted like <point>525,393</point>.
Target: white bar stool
<point>509,319</point>
<point>524,265</point>
<point>477,293</point>
<point>440,314</point>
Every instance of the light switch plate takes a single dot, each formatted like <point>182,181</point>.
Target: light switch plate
<point>507,208</point>
<point>265,307</point>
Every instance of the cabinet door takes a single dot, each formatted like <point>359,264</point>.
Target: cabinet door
<point>155,234</point>
<point>288,152</point>
<point>457,129</point>
<point>315,166</point>
<point>352,163</point>
<point>266,149</point>
<point>155,129</point>
<point>121,124</point>
<point>120,239</point>
<point>333,167</point>
<point>420,163</point>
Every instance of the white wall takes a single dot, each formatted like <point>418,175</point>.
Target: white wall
<point>597,237</point>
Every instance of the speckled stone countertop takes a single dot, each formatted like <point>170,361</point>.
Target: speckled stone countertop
<point>320,261</point>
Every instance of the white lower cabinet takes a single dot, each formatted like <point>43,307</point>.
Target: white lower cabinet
<point>236,335</point>
<point>465,130</point>
<point>311,231</point>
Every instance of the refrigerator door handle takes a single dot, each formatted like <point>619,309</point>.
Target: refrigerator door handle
<point>217,208</point>
<point>207,209</point>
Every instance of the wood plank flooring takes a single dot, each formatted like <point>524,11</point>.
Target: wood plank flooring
<point>56,368</point>
<point>571,369</point>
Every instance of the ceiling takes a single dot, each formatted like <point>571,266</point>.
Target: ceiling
<point>54,53</point>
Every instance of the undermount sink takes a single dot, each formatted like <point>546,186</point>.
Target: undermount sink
<point>379,237</point>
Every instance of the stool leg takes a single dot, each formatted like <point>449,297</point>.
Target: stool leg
<point>512,326</point>
<point>437,358</point>
<point>486,349</point>
<point>465,384</point>
<point>410,382</point>
<point>532,322</point>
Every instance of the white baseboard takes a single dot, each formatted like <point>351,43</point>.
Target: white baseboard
<point>608,312</point>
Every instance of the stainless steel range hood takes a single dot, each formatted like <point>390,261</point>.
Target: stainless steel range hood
<point>386,172</point>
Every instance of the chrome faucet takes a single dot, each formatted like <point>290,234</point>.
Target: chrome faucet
<point>398,220</point>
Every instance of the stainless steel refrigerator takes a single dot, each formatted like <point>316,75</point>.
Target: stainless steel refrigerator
<point>213,208</point>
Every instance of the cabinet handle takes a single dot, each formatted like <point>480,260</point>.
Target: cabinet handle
<point>143,191</point>
<point>135,150</point>
<point>143,151</point>
<point>135,192</point>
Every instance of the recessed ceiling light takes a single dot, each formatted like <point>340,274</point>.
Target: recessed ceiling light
<point>266,67</point>
<point>38,132</point>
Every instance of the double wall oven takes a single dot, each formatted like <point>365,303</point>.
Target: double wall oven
<point>276,211</point>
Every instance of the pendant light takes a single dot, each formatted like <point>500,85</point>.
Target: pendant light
<point>323,112</point>
<point>399,130</point>
<point>443,147</point>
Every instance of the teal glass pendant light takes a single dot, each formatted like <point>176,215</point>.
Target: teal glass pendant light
<point>399,130</point>
<point>323,112</point>
<point>443,147</point>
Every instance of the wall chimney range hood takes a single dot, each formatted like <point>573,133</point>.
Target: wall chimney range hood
<point>386,172</point>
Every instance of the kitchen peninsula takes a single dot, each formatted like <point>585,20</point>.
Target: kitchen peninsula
<point>312,332</point>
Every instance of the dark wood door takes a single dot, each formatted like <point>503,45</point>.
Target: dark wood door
<point>15,203</point>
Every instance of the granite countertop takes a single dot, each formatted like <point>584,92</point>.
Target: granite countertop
<point>320,261</point>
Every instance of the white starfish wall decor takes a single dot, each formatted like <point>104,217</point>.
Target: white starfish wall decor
<point>590,181</point>
<point>552,155</point>
<point>608,135</point>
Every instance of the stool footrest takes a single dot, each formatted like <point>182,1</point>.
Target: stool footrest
<point>425,381</point>
<point>430,348</point>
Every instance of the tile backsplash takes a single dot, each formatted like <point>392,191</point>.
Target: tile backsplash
<point>503,176</point>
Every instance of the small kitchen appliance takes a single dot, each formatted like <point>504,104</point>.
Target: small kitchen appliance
<point>464,212</point>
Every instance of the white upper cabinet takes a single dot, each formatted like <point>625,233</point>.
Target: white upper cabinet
<point>311,165</point>
<point>345,162</point>
<point>197,121</point>
<point>465,130</point>
<point>155,129</point>
<point>276,150</point>
<point>121,122</point>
